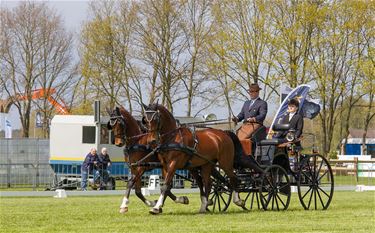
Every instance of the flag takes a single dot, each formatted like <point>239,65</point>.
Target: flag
<point>310,109</point>
<point>38,120</point>
<point>298,93</point>
<point>8,129</point>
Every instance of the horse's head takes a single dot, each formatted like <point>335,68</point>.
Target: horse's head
<point>117,124</point>
<point>158,121</point>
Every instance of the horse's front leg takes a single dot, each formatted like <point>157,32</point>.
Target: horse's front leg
<point>157,209</point>
<point>125,200</point>
<point>180,200</point>
<point>138,187</point>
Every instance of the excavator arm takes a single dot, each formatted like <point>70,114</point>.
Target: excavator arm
<point>36,94</point>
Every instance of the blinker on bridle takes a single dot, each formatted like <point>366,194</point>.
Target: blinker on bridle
<point>151,115</point>
<point>120,119</point>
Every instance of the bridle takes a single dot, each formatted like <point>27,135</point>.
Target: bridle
<point>118,119</point>
<point>152,115</point>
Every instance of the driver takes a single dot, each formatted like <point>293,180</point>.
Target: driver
<point>253,113</point>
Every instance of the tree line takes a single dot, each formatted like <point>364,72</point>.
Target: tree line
<point>195,53</point>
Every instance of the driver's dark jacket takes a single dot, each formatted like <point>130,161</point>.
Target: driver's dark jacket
<point>103,161</point>
<point>258,110</point>
<point>295,123</point>
<point>88,163</point>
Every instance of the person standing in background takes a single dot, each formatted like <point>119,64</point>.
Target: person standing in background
<point>87,167</point>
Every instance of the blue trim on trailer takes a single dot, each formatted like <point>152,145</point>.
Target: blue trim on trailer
<point>116,169</point>
<point>74,167</point>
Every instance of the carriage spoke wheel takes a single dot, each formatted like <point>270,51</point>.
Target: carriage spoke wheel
<point>221,194</point>
<point>315,182</point>
<point>251,200</point>
<point>274,190</point>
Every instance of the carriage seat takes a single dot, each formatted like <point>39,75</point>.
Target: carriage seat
<point>271,142</point>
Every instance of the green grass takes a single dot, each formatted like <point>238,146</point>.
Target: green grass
<point>349,212</point>
<point>340,180</point>
<point>351,180</point>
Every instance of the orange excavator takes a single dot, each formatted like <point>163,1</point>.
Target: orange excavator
<point>60,107</point>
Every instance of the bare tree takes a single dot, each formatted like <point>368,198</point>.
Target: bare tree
<point>218,59</point>
<point>35,54</point>
<point>292,24</point>
<point>161,45</point>
<point>368,85</point>
<point>247,24</point>
<point>360,47</point>
<point>197,26</point>
<point>330,58</point>
<point>99,63</point>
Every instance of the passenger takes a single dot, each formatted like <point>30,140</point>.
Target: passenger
<point>104,162</point>
<point>253,113</point>
<point>294,119</point>
<point>88,167</point>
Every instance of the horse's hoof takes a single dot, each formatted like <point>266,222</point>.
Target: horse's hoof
<point>182,200</point>
<point>150,203</point>
<point>156,211</point>
<point>203,211</point>
<point>239,203</point>
<point>123,210</point>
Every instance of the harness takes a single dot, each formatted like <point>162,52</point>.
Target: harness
<point>174,146</point>
<point>135,148</point>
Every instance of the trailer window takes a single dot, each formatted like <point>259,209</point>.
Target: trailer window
<point>104,134</point>
<point>88,134</point>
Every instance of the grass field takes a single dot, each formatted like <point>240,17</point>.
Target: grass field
<point>349,212</point>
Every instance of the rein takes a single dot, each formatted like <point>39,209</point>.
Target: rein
<point>186,149</point>
<point>139,162</point>
<point>136,137</point>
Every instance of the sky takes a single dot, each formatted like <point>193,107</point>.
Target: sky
<point>74,13</point>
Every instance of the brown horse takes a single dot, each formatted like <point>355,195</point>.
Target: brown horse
<point>181,148</point>
<point>127,132</point>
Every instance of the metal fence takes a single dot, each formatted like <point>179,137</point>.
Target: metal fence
<point>24,163</point>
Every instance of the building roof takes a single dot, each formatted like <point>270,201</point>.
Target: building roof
<point>358,133</point>
<point>73,119</point>
<point>89,119</point>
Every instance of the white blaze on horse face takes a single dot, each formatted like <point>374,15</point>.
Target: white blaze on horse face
<point>124,203</point>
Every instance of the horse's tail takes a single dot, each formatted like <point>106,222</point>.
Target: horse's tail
<point>238,151</point>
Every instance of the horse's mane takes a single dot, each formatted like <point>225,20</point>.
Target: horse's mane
<point>159,107</point>
<point>129,118</point>
<point>164,110</point>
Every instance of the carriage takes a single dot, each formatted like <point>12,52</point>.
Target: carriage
<point>286,168</point>
<point>209,154</point>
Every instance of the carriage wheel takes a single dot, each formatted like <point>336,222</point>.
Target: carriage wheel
<point>251,200</point>
<point>221,194</point>
<point>315,182</point>
<point>274,190</point>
